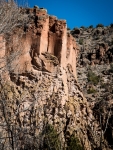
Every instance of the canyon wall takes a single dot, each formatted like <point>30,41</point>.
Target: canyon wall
<point>39,85</point>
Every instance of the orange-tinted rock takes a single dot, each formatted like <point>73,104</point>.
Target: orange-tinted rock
<point>2,52</point>
<point>44,34</point>
<point>71,52</point>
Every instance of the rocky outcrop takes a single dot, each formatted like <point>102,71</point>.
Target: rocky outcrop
<point>95,76</point>
<point>43,34</point>
<point>96,45</point>
<point>39,86</point>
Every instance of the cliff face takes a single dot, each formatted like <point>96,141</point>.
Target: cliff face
<point>39,85</point>
<point>43,34</point>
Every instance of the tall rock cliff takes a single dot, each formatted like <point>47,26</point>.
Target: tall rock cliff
<point>39,87</point>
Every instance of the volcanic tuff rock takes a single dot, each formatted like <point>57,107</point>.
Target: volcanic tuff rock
<point>39,85</point>
<point>95,73</point>
<point>96,44</point>
<point>96,55</point>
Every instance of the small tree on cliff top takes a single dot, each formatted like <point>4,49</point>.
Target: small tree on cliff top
<point>11,16</point>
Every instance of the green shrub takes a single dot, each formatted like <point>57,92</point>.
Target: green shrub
<point>91,26</point>
<point>51,139</point>
<point>99,25</point>
<point>111,25</point>
<point>81,41</point>
<point>74,144</point>
<point>76,31</point>
<point>83,27</point>
<point>111,68</point>
<point>93,78</point>
<point>75,28</point>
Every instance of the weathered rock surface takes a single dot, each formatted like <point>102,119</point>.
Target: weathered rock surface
<point>96,45</point>
<point>95,75</point>
<point>39,86</point>
<point>43,34</point>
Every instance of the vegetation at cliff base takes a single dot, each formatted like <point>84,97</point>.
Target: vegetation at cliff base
<point>74,143</point>
<point>51,139</point>
<point>93,78</point>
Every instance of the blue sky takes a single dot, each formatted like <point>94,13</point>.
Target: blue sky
<point>78,12</point>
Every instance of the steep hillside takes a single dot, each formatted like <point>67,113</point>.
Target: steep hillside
<point>95,73</point>
<point>96,44</point>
